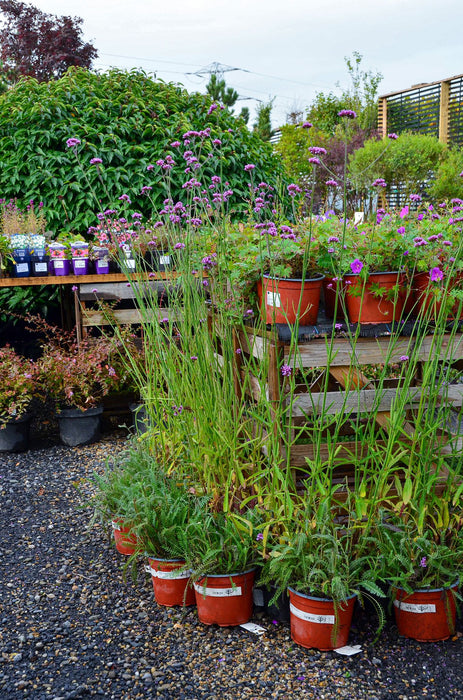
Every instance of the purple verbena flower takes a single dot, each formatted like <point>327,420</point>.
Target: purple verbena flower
<point>286,371</point>
<point>71,143</point>
<point>393,136</point>
<point>95,161</point>
<point>249,167</point>
<point>348,113</point>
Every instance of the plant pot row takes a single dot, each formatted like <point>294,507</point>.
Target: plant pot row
<point>286,300</point>
<point>426,615</point>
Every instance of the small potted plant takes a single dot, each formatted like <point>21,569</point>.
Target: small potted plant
<point>60,255</point>
<point>80,257</point>
<point>77,377</point>
<point>422,567</point>
<point>34,227</point>
<point>222,555</point>
<point>18,386</point>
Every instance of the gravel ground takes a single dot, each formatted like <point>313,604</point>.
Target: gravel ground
<point>71,627</point>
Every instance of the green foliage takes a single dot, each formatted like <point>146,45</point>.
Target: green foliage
<point>124,118</point>
<point>448,184</point>
<point>219,91</point>
<point>263,124</point>
<point>411,160</point>
<point>360,96</point>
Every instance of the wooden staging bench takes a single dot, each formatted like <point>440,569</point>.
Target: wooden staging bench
<point>349,390</point>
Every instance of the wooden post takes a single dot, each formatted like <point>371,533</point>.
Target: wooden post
<point>382,116</point>
<point>444,112</point>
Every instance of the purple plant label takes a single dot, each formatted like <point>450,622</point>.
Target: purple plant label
<point>415,607</point>
<point>310,617</point>
<point>217,592</point>
<point>273,299</point>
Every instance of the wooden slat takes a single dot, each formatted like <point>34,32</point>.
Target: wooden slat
<point>120,290</point>
<point>371,351</point>
<point>124,316</point>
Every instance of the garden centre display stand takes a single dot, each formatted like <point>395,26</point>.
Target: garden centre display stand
<point>348,389</point>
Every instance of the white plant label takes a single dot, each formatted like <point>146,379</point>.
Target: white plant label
<point>174,574</point>
<point>310,617</point>
<point>273,299</point>
<point>115,526</point>
<point>130,263</point>
<point>41,267</point>
<point>349,650</point>
<point>251,627</point>
<point>415,607</point>
<point>217,592</point>
<point>22,267</point>
<point>164,259</point>
<point>79,264</point>
<point>59,264</point>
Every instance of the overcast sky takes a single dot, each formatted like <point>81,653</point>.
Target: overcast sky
<point>285,50</point>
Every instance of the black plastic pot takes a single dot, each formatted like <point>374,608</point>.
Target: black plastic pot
<point>78,427</point>
<point>139,418</point>
<point>14,436</point>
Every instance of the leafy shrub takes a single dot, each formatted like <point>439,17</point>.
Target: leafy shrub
<point>124,118</point>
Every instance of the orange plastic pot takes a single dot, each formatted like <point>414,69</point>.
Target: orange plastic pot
<point>171,583</point>
<point>427,615</point>
<point>225,600</point>
<point>316,623</point>
<point>280,299</point>
<point>362,304</point>
<point>125,543</point>
<point>428,305</point>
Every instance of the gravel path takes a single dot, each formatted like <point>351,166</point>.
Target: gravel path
<point>71,627</point>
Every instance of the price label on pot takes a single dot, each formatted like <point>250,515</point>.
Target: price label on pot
<point>415,607</point>
<point>79,264</point>
<point>40,267</point>
<point>273,299</point>
<point>310,617</point>
<point>164,259</point>
<point>217,592</point>
<point>22,267</point>
<point>59,264</point>
<point>175,574</point>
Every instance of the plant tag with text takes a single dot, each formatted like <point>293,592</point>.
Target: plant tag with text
<point>273,299</point>
<point>310,617</point>
<point>251,627</point>
<point>218,592</point>
<point>415,607</point>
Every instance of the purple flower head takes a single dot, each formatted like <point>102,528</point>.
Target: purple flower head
<point>71,143</point>
<point>95,161</point>
<point>294,189</point>
<point>150,167</point>
<point>356,266</point>
<point>338,326</point>
<point>461,174</point>
<point>393,136</point>
<point>286,371</point>
<point>249,167</point>
<point>179,246</point>
<point>403,358</point>
<point>307,125</point>
<point>145,189</point>
<point>111,371</point>
<point>175,144</point>
<point>314,160</point>
<point>379,182</point>
<point>212,108</point>
<point>217,142</point>
<point>348,113</point>
<point>423,563</point>
<point>331,183</point>
<point>436,274</point>
<point>415,198</point>
<point>125,198</point>
<point>259,536</point>
<point>404,212</point>
<point>317,151</point>
<point>401,230</point>
<point>74,288</point>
